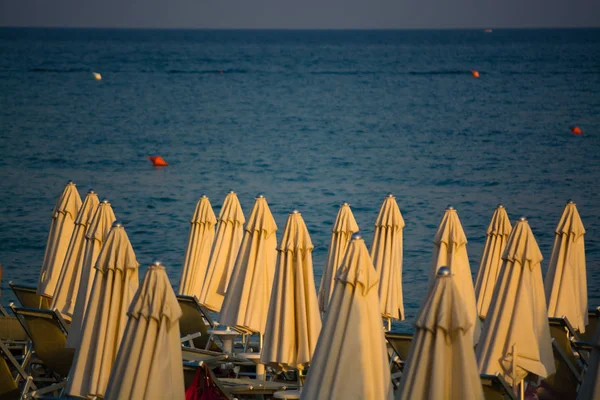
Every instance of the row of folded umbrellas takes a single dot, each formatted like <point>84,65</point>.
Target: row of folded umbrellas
<point>267,287</point>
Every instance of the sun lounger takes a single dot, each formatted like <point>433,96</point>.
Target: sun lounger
<point>400,343</point>
<point>195,319</point>
<point>496,388</point>
<point>563,384</point>
<point>48,332</point>
<point>28,297</point>
<point>590,329</point>
<point>563,334</point>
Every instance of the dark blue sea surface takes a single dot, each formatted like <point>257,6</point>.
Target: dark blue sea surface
<point>310,119</point>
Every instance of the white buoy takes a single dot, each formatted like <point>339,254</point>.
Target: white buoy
<point>97,76</point>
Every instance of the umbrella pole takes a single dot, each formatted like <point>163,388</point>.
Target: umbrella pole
<point>389,324</point>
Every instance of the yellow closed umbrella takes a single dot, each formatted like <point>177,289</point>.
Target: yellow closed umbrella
<point>441,361</point>
<point>491,260</point>
<point>68,282</point>
<point>517,316</point>
<point>114,286</point>
<point>386,252</point>
<point>246,302</point>
<point>148,364</point>
<point>61,228</point>
<point>200,241</point>
<point>590,387</point>
<point>224,252</point>
<point>450,249</point>
<point>293,321</point>
<point>566,279</point>
<point>343,228</point>
<point>350,360</point>
<point>96,233</point>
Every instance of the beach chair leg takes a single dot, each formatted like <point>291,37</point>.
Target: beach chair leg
<point>19,367</point>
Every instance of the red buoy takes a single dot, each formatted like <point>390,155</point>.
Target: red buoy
<point>157,161</point>
<point>576,130</point>
<point>475,73</point>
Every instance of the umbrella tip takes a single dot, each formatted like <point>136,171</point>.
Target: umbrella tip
<point>231,191</point>
<point>356,236</point>
<point>117,224</point>
<point>344,203</point>
<point>500,205</point>
<point>204,196</point>
<point>91,191</point>
<point>450,207</point>
<point>157,263</point>
<point>70,182</point>
<point>105,201</point>
<point>524,219</point>
<point>294,211</point>
<point>444,272</point>
<point>570,201</point>
<point>390,195</point>
<point>260,196</point>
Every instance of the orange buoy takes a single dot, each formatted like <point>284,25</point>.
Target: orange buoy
<point>157,161</point>
<point>576,130</point>
<point>475,73</point>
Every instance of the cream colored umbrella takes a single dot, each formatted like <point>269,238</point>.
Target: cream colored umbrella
<point>68,282</point>
<point>94,238</point>
<point>343,228</point>
<point>351,360</point>
<point>114,286</point>
<point>386,252</point>
<point>590,387</point>
<point>566,280</point>
<point>450,249</point>
<point>441,361</point>
<point>200,241</point>
<point>61,228</point>
<point>224,252</point>
<point>148,364</point>
<point>293,321</point>
<point>517,315</point>
<point>491,260</point>
<point>246,302</point>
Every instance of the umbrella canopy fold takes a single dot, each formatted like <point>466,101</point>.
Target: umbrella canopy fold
<point>293,321</point>
<point>200,241</point>
<point>70,274</point>
<point>491,260</point>
<point>350,360</point>
<point>96,233</point>
<point>114,286</point>
<point>343,228</point>
<point>246,302</point>
<point>148,364</point>
<point>450,249</point>
<point>517,314</point>
<point>441,361</point>
<point>566,280</point>
<point>386,252</point>
<point>224,252</point>
<point>61,228</point>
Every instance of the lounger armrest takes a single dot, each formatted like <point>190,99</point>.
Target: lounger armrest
<point>190,339</point>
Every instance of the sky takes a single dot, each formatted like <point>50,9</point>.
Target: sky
<point>301,14</point>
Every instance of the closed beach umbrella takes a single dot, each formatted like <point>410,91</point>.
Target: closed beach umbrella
<point>566,280</point>
<point>351,361</point>
<point>517,314</point>
<point>94,238</point>
<point>246,302</point>
<point>386,252</point>
<point>200,241</point>
<point>491,260</point>
<point>61,228</point>
<point>441,361</point>
<point>293,322</point>
<point>343,228</point>
<point>590,387</point>
<point>450,249</point>
<point>224,252</point>
<point>68,282</point>
<point>148,364</point>
<point>114,286</point>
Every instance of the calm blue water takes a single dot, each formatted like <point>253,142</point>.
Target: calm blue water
<point>310,118</point>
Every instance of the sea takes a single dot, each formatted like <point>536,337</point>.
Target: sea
<point>309,119</point>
